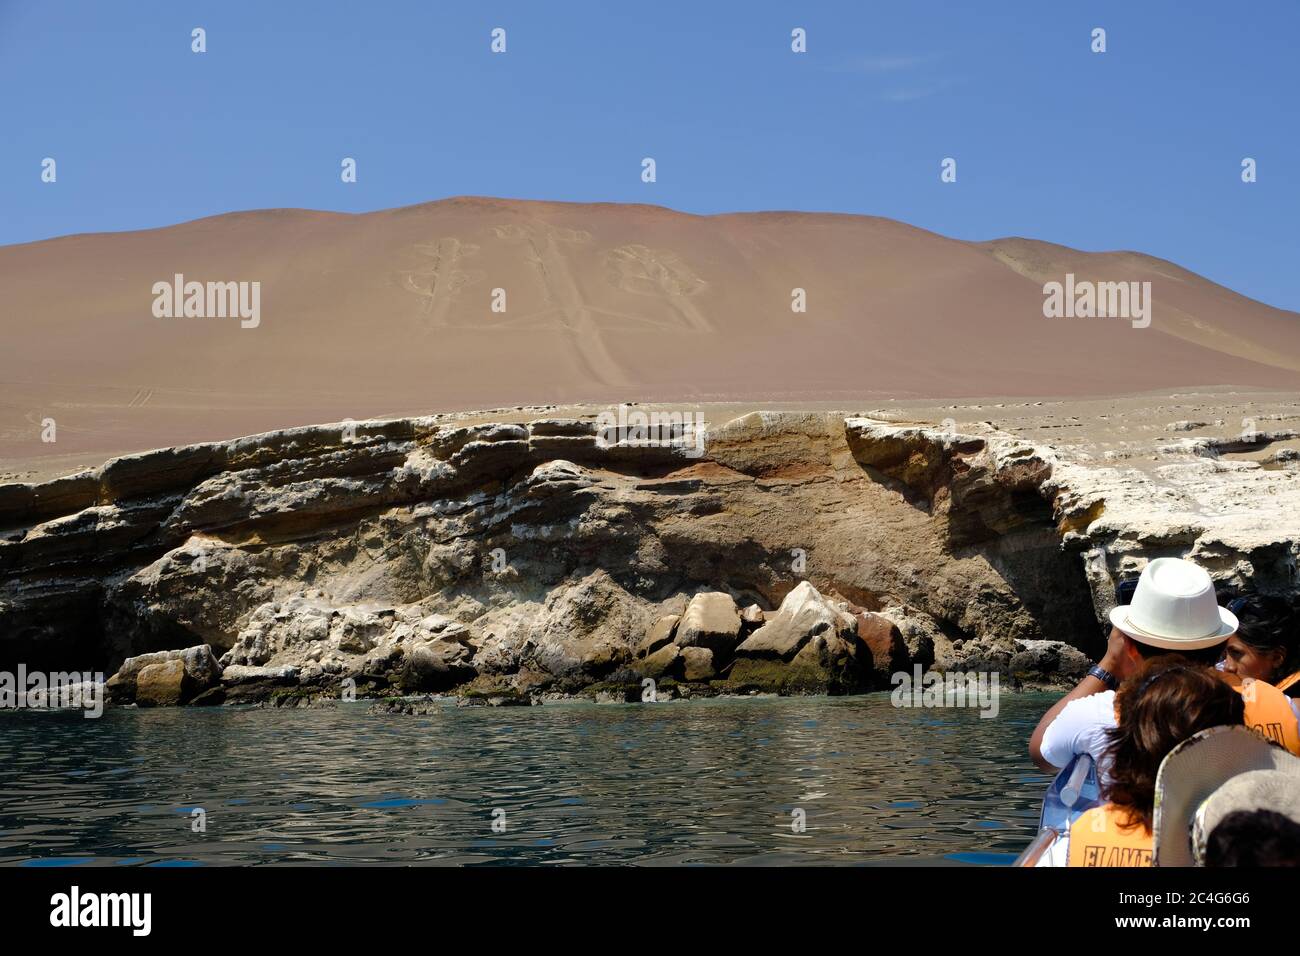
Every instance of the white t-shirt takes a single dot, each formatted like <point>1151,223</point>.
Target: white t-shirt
<point>1081,728</point>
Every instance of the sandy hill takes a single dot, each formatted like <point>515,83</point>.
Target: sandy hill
<point>391,312</point>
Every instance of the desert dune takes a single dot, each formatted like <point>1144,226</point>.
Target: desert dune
<point>390,312</point>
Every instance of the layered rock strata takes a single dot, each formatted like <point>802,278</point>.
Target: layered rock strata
<point>801,552</point>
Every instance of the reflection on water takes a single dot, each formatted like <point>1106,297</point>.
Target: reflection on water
<point>704,782</point>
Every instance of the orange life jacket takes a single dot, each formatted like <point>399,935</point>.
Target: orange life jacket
<point>1268,711</point>
<point>1106,836</point>
<point>1287,682</point>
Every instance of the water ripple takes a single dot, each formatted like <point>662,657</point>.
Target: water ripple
<point>702,782</point>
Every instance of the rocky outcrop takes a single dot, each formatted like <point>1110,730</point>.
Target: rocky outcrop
<point>172,676</point>
<point>810,643</point>
<point>802,552</point>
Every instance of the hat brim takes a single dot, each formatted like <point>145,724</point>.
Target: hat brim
<point>1227,627</point>
<point>1195,769</point>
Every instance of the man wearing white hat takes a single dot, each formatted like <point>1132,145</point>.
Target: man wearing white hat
<point>1174,611</point>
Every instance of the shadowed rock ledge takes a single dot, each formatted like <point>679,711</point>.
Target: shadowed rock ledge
<point>800,553</point>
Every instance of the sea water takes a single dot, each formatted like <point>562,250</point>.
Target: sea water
<point>836,781</point>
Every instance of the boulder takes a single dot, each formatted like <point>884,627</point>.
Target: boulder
<point>803,614</point>
<point>919,631</point>
<point>658,635</point>
<point>604,654</point>
<point>827,663</point>
<point>279,626</point>
<point>359,630</point>
<point>982,654</point>
<point>658,664</point>
<point>884,643</point>
<point>245,674</point>
<point>200,665</point>
<point>697,664</point>
<point>585,629</point>
<point>1048,663</point>
<point>711,620</point>
<point>382,663</point>
<point>436,665</point>
<point>164,684</point>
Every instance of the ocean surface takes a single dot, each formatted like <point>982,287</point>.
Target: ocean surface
<point>761,781</point>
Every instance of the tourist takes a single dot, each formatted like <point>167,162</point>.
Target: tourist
<point>1228,798</point>
<point>1165,701</point>
<point>1267,643</point>
<point>1174,610</point>
<point>1255,838</point>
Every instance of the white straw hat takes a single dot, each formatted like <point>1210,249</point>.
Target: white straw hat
<point>1191,791</point>
<point>1174,608</point>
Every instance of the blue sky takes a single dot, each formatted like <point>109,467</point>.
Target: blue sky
<point>1137,148</point>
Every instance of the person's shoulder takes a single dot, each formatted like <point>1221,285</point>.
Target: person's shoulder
<point>1079,728</point>
<point>1085,820</point>
<point>1093,708</point>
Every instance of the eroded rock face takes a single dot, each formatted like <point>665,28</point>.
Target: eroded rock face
<point>520,559</point>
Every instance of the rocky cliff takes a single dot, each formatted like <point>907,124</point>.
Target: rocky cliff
<point>790,552</point>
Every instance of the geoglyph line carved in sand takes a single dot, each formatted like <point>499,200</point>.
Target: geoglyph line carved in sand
<point>632,268</point>
<point>439,281</point>
<point>563,297</point>
<point>644,271</point>
<point>141,398</point>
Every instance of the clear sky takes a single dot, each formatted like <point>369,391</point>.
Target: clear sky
<point>1136,148</point>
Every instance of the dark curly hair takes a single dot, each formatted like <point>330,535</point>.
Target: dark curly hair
<point>1160,706</point>
<point>1265,624</point>
<point>1254,838</point>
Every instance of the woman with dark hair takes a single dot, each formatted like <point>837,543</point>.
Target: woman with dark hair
<point>1166,701</point>
<point>1267,643</point>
